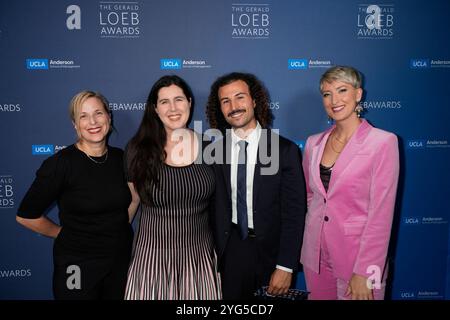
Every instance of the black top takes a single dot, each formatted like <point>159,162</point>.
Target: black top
<point>325,175</point>
<point>92,198</point>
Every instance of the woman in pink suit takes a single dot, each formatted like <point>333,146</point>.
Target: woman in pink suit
<point>351,172</point>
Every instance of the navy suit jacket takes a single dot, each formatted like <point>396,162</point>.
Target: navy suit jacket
<point>279,204</point>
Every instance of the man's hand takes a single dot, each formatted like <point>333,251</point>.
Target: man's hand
<point>280,281</point>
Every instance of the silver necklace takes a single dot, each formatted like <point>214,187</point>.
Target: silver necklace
<point>99,162</point>
<point>93,160</point>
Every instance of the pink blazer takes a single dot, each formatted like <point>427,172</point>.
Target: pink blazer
<point>359,204</point>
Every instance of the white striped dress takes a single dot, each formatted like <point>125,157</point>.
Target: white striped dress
<point>173,257</point>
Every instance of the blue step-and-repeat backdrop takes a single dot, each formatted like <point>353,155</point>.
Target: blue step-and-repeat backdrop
<point>50,50</point>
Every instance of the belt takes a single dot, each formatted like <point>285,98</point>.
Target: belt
<point>251,232</point>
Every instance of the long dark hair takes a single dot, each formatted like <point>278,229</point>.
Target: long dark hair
<point>145,151</point>
<point>258,92</point>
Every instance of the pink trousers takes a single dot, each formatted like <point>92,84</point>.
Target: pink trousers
<point>325,286</point>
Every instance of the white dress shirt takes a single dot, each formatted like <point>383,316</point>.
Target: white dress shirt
<point>252,152</point>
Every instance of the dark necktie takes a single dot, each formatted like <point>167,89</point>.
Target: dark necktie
<point>242,189</point>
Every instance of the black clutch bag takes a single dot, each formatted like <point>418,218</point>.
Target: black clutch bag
<point>292,294</point>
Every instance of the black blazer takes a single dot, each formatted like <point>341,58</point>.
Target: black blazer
<point>279,203</point>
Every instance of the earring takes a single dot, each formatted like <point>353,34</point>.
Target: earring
<point>330,120</point>
<point>359,110</point>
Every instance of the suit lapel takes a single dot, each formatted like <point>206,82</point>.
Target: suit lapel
<point>348,153</point>
<point>316,158</point>
<point>257,173</point>
<point>226,167</point>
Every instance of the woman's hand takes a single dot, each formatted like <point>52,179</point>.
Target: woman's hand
<point>359,289</point>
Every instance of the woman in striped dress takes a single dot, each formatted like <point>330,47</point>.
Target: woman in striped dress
<point>173,256</point>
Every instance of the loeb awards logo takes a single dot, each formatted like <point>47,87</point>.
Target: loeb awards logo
<point>10,107</point>
<point>127,106</point>
<point>250,21</point>
<point>375,21</point>
<point>6,192</point>
<point>119,19</point>
<point>15,273</point>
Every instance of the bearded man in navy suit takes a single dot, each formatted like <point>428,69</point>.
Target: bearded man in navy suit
<point>260,199</point>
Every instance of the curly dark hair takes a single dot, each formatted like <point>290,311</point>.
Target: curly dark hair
<point>258,92</point>
<point>145,153</point>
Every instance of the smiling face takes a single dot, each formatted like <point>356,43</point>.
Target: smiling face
<point>92,122</point>
<point>340,99</point>
<point>237,105</point>
<point>173,108</point>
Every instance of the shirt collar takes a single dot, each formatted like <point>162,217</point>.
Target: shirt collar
<point>252,138</point>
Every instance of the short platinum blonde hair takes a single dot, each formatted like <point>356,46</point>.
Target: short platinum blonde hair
<point>342,73</point>
<point>81,97</point>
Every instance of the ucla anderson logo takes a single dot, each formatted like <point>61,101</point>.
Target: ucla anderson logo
<point>42,149</point>
<point>419,63</point>
<point>297,64</point>
<point>37,64</point>
<point>407,295</point>
<point>416,144</point>
<point>411,220</point>
<point>170,64</point>
<point>45,64</point>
